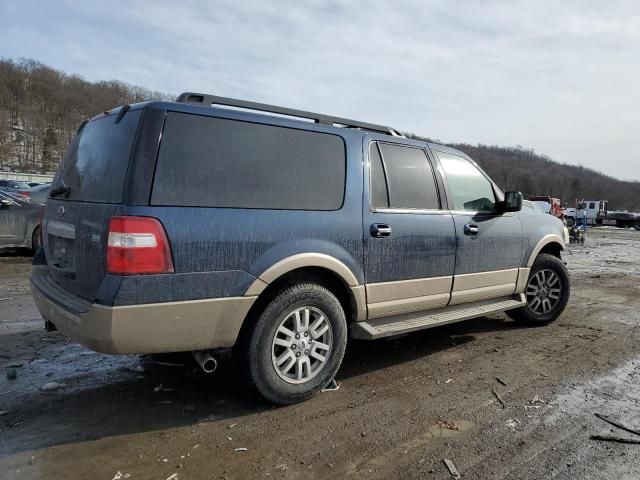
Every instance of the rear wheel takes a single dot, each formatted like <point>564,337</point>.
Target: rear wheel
<point>547,292</point>
<point>296,346</point>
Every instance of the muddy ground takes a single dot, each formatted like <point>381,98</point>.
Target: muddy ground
<point>403,405</point>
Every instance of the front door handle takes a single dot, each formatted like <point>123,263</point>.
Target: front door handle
<point>471,229</point>
<point>379,230</point>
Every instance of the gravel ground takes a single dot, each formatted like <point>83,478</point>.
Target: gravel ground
<point>404,405</point>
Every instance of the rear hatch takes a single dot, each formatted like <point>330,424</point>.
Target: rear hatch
<point>85,194</point>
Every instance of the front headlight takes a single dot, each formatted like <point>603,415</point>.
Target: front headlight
<point>566,235</point>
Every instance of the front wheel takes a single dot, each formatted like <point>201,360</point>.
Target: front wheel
<point>296,346</point>
<point>547,292</point>
<point>35,239</point>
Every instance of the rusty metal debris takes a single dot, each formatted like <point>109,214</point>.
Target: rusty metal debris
<point>447,425</point>
<point>607,438</point>
<point>617,424</point>
<point>332,387</point>
<point>452,468</point>
<point>497,395</point>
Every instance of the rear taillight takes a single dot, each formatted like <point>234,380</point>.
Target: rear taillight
<point>25,193</point>
<point>136,246</point>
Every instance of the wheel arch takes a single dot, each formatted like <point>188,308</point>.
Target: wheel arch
<point>314,267</point>
<point>552,244</point>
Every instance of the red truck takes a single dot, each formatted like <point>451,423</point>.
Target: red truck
<point>556,207</point>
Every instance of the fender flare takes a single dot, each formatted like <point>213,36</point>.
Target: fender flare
<point>302,260</point>
<point>543,242</point>
<point>320,260</point>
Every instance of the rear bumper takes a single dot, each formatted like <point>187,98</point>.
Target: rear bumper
<point>149,328</point>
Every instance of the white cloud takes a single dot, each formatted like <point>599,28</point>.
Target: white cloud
<point>561,77</point>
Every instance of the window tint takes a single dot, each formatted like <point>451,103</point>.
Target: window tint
<point>469,188</point>
<point>379,195</point>
<point>409,177</point>
<point>214,162</point>
<point>96,162</point>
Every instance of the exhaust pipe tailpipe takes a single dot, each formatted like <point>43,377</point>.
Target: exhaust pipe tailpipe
<point>205,360</point>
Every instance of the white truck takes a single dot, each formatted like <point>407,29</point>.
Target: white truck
<point>595,212</point>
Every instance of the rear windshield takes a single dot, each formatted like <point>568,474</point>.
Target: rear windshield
<point>95,165</point>
<point>215,162</point>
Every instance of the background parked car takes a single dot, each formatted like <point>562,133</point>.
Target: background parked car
<point>533,205</point>
<point>40,193</point>
<point>15,194</point>
<point>19,222</point>
<point>15,186</point>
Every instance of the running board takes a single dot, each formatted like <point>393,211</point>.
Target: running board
<point>410,322</point>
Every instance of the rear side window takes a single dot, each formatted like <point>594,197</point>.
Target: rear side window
<point>409,179</point>
<point>469,188</point>
<point>95,164</point>
<point>214,162</point>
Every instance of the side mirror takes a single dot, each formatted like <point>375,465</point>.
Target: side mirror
<point>512,202</point>
<point>4,203</point>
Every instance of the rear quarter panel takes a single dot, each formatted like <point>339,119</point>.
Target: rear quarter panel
<point>252,240</point>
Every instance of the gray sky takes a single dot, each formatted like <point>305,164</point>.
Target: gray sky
<point>562,77</point>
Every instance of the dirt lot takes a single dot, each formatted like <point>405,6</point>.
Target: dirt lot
<point>403,405</point>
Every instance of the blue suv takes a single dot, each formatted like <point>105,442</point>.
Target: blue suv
<point>211,223</point>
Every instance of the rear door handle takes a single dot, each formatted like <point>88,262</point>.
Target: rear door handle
<point>379,230</point>
<point>471,229</point>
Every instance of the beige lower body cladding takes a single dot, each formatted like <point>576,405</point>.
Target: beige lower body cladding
<point>393,298</point>
<point>479,286</point>
<point>406,296</point>
<point>151,328</point>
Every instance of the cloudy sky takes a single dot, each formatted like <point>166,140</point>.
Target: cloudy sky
<point>562,77</point>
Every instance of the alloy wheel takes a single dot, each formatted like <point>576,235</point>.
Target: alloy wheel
<point>302,345</point>
<point>544,291</point>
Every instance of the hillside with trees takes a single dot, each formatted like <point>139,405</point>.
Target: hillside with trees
<point>41,109</point>
<point>517,168</point>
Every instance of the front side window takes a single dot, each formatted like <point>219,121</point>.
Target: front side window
<point>410,183</point>
<point>379,191</point>
<point>469,188</point>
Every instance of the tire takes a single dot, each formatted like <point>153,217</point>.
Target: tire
<point>534,313</point>
<point>262,347</point>
<point>35,240</point>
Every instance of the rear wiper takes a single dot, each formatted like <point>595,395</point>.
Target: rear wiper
<point>60,190</point>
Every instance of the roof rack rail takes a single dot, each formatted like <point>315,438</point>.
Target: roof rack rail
<point>209,100</point>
